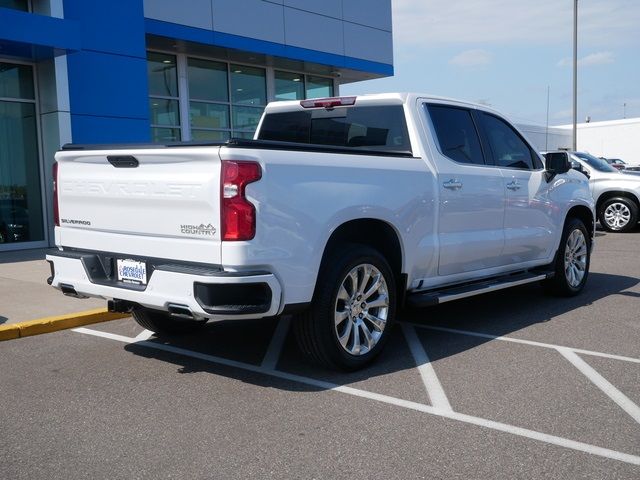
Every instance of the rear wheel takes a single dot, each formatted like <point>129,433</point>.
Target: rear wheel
<point>352,311</point>
<point>571,266</point>
<point>163,323</point>
<point>618,214</point>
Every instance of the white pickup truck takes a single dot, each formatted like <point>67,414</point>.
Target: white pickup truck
<point>339,211</point>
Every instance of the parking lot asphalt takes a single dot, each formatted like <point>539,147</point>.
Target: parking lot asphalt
<point>513,384</point>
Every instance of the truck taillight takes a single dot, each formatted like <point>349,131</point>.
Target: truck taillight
<point>237,214</point>
<point>56,208</point>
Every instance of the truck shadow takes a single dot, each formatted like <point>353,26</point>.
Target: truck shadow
<point>500,313</point>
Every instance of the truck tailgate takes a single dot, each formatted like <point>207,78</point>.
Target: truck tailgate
<point>160,203</point>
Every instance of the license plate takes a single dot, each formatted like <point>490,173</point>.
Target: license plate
<point>132,271</point>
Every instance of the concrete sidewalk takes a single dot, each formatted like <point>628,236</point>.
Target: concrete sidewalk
<point>24,293</point>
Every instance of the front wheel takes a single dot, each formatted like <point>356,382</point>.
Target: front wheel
<point>618,214</point>
<point>571,267</point>
<point>352,312</point>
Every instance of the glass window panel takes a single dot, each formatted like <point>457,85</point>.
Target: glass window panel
<point>318,87</point>
<point>244,135</point>
<point>164,112</point>
<point>246,118</point>
<point>248,85</point>
<point>289,86</point>
<point>21,216</point>
<point>164,135</point>
<point>209,115</point>
<point>15,4</point>
<point>381,129</point>
<point>507,147</point>
<point>208,80</point>
<point>456,134</point>
<point>210,135</point>
<point>162,74</point>
<point>16,81</point>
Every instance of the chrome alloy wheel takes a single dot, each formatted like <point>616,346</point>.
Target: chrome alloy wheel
<point>617,215</point>
<point>575,258</point>
<point>361,309</point>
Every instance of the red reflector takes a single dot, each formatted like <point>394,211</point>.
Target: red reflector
<point>56,208</point>
<point>328,102</point>
<point>237,214</point>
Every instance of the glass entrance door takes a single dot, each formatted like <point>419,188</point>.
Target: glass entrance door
<point>21,210</point>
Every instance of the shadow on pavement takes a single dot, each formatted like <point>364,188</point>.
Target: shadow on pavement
<point>499,313</point>
<point>3,319</point>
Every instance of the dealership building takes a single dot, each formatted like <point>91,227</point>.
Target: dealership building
<point>114,71</point>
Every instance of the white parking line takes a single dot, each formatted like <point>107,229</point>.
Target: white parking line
<point>602,383</point>
<point>277,341</point>
<point>419,407</point>
<point>144,335</point>
<point>434,388</point>
<point>526,342</point>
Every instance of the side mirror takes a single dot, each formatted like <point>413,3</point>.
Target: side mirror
<point>556,163</point>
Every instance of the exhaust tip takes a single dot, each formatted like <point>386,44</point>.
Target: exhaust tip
<point>180,311</point>
<point>70,291</point>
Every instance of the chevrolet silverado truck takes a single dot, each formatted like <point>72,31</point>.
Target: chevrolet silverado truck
<point>339,212</point>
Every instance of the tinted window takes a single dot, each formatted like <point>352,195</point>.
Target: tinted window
<point>506,146</point>
<point>208,80</point>
<point>369,128</point>
<point>456,134</point>
<point>595,162</point>
<point>162,74</point>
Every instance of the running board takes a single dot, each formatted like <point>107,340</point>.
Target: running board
<point>435,297</point>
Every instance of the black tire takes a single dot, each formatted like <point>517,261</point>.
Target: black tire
<point>316,330</point>
<point>624,206</point>
<point>561,283</point>
<point>163,323</point>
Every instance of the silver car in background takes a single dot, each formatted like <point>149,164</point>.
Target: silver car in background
<point>617,194</point>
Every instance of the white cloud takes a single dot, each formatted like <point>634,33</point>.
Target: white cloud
<point>471,58</point>
<point>429,23</point>
<point>600,58</point>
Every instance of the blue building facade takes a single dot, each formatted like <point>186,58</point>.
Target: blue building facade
<point>161,70</point>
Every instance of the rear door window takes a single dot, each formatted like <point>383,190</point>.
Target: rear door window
<point>456,134</point>
<point>376,128</point>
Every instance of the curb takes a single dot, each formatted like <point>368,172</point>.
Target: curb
<point>53,324</point>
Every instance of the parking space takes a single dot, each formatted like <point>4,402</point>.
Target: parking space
<point>508,385</point>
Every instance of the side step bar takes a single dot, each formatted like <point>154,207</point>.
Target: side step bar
<point>456,292</point>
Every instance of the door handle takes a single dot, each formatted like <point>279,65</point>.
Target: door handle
<point>453,184</point>
<point>513,185</point>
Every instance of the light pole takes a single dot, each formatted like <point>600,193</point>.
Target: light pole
<point>575,75</point>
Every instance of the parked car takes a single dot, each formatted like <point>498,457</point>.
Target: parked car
<point>615,163</point>
<point>617,194</point>
<point>340,211</point>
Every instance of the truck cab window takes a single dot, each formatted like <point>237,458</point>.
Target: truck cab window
<point>508,149</point>
<point>456,134</point>
<point>372,128</point>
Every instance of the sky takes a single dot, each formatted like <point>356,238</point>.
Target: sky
<point>507,53</point>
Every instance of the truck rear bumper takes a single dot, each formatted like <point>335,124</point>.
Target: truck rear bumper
<point>205,291</point>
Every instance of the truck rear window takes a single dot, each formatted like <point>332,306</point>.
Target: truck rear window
<point>381,128</point>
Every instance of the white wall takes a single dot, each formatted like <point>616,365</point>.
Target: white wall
<point>614,139</point>
<point>543,139</point>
